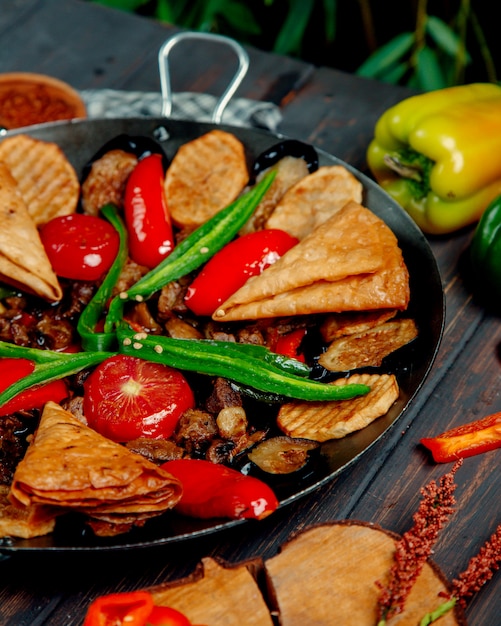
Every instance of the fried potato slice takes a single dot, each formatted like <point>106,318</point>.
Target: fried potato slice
<point>106,180</point>
<point>321,421</point>
<point>46,179</point>
<point>23,260</point>
<point>341,324</point>
<point>205,175</point>
<point>369,347</point>
<point>26,522</point>
<point>314,199</point>
<point>289,171</point>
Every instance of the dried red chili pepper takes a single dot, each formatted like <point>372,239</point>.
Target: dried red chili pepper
<point>466,440</point>
<point>212,490</point>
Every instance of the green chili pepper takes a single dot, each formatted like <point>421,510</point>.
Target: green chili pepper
<point>485,256</point>
<point>6,292</point>
<point>195,250</point>
<point>232,361</point>
<point>49,366</point>
<point>104,341</point>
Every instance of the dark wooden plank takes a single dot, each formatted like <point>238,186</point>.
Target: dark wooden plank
<point>91,46</point>
<point>338,116</point>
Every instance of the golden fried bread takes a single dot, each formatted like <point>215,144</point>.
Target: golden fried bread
<point>351,262</point>
<point>321,421</point>
<point>369,347</point>
<point>205,175</point>
<point>23,260</point>
<point>46,179</point>
<point>69,465</point>
<point>314,199</point>
<point>24,522</point>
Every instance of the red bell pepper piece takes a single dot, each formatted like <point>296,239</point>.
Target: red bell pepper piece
<point>233,265</point>
<point>213,490</point>
<point>289,344</point>
<point>166,616</point>
<point>12,370</point>
<point>133,608</point>
<point>147,217</point>
<point>466,440</point>
<point>116,609</point>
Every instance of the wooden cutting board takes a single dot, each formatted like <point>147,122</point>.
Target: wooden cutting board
<point>324,576</point>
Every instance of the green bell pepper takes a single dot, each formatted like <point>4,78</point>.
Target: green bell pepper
<point>485,256</point>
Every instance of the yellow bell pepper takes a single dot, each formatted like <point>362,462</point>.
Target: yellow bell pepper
<point>438,154</point>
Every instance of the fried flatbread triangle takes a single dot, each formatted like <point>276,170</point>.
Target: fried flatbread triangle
<point>351,262</point>
<point>314,199</point>
<point>23,260</point>
<point>70,465</point>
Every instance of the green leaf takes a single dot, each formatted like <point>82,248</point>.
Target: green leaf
<point>241,18</point>
<point>428,70</point>
<point>386,56</point>
<point>446,39</point>
<point>330,10</point>
<point>394,74</point>
<point>291,34</point>
<point>164,13</point>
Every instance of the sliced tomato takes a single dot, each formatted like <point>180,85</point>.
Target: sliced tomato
<point>233,265</point>
<point>126,397</point>
<point>80,247</point>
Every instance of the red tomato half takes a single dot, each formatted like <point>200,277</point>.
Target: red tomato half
<point>233,265</point>
<point>80,247</point>
<point>126,397</point>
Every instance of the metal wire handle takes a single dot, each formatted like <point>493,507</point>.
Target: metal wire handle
<point>163,64</point>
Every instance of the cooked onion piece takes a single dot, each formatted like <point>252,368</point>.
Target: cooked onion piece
<point>282,455</point>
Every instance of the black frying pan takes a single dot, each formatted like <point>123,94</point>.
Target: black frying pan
<point>80,140</point>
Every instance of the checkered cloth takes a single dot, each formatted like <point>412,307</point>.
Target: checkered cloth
<point>107,103</point>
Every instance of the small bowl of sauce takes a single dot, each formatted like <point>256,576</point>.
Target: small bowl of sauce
<point>27,99</point>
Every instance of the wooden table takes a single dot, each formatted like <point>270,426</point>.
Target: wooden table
<point>93,47</point>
